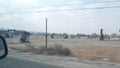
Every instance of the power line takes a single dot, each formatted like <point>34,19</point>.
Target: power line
<point>93,8</point>
<point>87,3</point>
<point>59,5</point>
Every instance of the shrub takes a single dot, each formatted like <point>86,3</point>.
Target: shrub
<point>41,50</point>
<point>52,50</point>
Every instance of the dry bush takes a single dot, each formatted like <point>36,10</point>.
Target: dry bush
<point>59,50</point>
<point>53,50</point>
<point>18,48</point>
<point>39,50</point>
<point>23,48</point>
<point>29,48</point>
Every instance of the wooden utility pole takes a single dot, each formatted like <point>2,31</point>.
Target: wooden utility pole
<point>119,34</point>
<point>46,35</point>
<point>101,34</point>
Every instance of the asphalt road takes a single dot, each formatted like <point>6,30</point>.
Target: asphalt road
<point>30,61</point>
<point>20,63</point>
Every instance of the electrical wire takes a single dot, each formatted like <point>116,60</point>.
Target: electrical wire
<point>93,8</point>
<point>86,3</point>
<point>70,4</point>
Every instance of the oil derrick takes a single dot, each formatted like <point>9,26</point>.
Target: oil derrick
<point>25,37</point>
<point>53,35</point>
<point>5,33</point>
<point>65,36</point>
<point>11,33</point>
<point>101,35</point>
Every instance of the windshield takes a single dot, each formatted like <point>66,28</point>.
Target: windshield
<point>65,33</point>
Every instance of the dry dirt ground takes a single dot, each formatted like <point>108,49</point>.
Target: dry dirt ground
<point>84,49</point>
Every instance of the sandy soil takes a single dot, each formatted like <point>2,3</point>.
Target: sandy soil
<point>84,49</point>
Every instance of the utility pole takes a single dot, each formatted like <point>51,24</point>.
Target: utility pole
<point>46,35</point>
<point>119,34</point>
<point>101,34</point>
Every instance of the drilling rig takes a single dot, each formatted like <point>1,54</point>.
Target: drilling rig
<point>25,37</point>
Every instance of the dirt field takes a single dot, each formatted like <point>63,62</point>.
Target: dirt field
<point>84,49</point>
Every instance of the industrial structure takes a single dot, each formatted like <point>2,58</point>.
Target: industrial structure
<point>12,33</point>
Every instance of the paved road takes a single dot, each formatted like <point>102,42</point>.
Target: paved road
<point>19,63</point>
<point>27,60</point>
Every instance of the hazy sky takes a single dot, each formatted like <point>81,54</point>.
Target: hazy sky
<point>79,21</point>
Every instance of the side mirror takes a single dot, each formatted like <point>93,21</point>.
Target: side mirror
<point>3,48</point>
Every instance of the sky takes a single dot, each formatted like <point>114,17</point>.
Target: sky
<point>76,21</point>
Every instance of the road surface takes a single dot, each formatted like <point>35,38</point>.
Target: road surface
<point>10,62</point>
<point>28,60</point>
